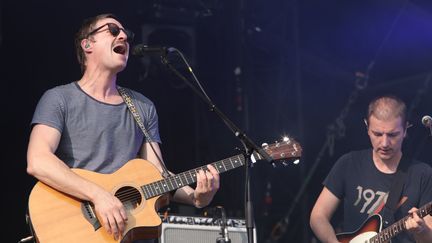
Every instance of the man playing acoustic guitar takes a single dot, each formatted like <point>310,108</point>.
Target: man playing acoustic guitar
<point>362,181</point>
<point>86,124</point>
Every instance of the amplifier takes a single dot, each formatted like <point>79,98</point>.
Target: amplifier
<point>187,229</point>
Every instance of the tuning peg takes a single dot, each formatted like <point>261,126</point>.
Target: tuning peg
<point>296,162</point>
<point>264,145</point>
<point>238,149</point>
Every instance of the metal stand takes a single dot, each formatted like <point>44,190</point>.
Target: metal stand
<point>248,144</point>
<point>224,228</point>
<point>336,130</point>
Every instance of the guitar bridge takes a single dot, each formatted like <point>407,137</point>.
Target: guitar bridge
<point>90,215</point>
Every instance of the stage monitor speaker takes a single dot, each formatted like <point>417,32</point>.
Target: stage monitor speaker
<point>183,233</point>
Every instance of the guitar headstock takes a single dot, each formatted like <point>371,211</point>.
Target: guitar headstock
<point>286,149</point>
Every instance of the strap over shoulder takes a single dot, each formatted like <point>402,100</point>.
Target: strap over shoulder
<point>128,100</point>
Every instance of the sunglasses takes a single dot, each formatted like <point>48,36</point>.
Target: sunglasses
<point>115,31</point>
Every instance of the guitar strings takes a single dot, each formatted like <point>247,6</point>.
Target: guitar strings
<point>158,187</point>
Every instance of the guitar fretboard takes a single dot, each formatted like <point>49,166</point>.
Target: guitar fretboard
<point>396,228</point>
<point>189,177</point>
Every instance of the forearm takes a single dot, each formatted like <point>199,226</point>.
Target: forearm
<point>323,230</point>
<point>425,236</point>
<point>186,195</point>
<point>50,170</point>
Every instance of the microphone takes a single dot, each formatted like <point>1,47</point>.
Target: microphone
<point>142,50</point>
<point>224,228</point>
<point>427,121</point>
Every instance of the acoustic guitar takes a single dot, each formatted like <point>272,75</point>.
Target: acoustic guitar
<point>56,217</point>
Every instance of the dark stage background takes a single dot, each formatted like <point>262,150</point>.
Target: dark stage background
<point>276,67</point>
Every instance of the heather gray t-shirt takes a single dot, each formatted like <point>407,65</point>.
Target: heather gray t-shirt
<point>94,135</point>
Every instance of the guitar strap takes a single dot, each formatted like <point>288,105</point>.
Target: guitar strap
<point>396,187</point>
<point>127,99</point>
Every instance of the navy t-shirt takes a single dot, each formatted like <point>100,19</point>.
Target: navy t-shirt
<point>364,189</point>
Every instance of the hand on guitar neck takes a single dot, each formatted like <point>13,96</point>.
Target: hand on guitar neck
<point>420,226</point>
<point>418,222</point>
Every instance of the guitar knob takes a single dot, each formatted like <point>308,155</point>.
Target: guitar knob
<point>229,222</point>
<point>196,220</point>
<point>171,219</point>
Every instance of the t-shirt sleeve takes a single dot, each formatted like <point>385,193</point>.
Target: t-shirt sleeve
<point>426,186</point>
<point>50,110</point>
<point>152,124</point>
<point>335,180</point>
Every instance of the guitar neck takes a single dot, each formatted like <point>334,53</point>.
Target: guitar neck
<point>399,226</point>
<point>189,177</point>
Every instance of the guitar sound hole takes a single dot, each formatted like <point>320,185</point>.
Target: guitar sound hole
<point>129,196</point>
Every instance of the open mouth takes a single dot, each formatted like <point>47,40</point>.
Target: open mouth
<point>120,49</point>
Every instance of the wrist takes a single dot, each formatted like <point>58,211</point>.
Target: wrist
<point>197,203</point>
<point>425,232</point>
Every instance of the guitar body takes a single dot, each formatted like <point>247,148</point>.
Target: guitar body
<point>370,228</point>
<point>57,217</point>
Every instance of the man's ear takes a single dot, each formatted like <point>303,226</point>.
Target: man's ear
<point>407,125</point>
<point>85,44</point>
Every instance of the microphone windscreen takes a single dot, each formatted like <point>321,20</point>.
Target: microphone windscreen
<point>427,121</point>
<point>141,50</point>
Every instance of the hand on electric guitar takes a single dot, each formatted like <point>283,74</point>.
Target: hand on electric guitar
<point>370,231</point>
<point>414,223</point>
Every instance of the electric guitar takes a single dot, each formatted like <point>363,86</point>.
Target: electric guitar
<point>370,231</point>
<point>57,217</point>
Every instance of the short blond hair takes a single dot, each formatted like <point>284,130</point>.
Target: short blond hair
<point>386,107</point>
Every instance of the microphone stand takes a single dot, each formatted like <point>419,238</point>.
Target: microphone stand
<point>224,228</point>
<point>248,144</point>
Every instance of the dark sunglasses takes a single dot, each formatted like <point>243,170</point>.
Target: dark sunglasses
<point>115,31</point>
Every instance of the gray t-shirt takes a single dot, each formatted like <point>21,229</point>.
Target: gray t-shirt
<point>94,135</point>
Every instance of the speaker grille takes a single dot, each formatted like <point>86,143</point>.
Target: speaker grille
<point>178,233</point>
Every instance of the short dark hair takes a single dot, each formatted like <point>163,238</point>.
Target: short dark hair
<point>86,27</point>
<point>388,106</point>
